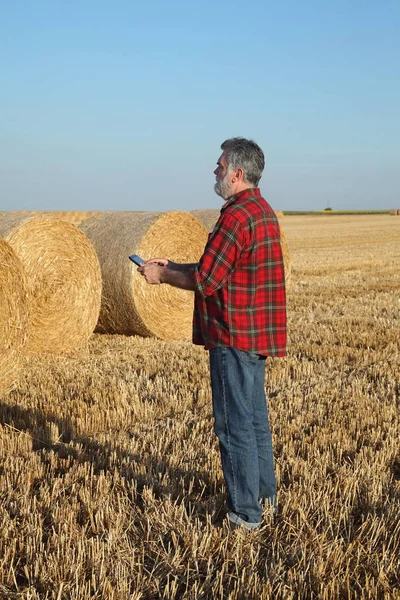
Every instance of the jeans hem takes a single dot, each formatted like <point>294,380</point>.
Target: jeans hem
<point>234,518</point>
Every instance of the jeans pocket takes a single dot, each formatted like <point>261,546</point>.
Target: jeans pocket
<point>250,357</point>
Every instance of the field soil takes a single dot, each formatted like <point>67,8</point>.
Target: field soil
<point>110,471</point>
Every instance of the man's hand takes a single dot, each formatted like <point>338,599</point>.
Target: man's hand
<point>162,270</point>
<point>152,271</point>
<point>163,262</point>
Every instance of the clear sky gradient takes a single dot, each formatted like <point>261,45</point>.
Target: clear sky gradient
<point>123,105</point>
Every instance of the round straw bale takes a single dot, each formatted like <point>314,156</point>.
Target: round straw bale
<point>130,305</point>
<point>72,216</point>
<point>209,217</point>
<point>63,279</point>
<point>13,316</point>
<point>76,216</point>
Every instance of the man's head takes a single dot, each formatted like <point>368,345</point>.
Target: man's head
<point>240,167</point>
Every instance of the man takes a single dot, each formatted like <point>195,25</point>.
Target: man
<point>240,317</point>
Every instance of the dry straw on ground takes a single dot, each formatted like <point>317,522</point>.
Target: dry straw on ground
<point>111,474</point>
<point>13,316</point>
<point>286,257</point>
<point>129,304</point>
<point>209,217</point>
<point>63,280</point>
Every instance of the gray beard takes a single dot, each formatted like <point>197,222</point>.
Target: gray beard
<point>223,189</point>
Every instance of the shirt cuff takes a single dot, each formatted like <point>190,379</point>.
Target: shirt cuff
<point>200,287</point>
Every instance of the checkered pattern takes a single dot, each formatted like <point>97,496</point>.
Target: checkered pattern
<point>240,298</point>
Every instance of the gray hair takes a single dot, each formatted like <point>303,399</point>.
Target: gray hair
<point>246,155</point>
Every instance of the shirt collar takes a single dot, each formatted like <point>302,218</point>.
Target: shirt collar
<point>241,196</point>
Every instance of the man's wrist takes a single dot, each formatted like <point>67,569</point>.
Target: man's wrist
<point>162,274</point>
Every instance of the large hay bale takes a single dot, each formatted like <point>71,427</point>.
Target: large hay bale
<point>130,305</point>
<point>63,281</point>
<point>76,217</point>
<point>13,316</point>
<point>209,217</point>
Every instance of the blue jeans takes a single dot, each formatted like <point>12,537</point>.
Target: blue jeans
<point>242,427</point>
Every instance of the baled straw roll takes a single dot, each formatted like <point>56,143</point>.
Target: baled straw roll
<point>13,316</point>
<point>129,304</point>
<point>63,280</point>
<point>209,217</point>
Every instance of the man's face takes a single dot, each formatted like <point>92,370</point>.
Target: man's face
<point>222,185</point>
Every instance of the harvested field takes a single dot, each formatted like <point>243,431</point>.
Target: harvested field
<point>111,473</point>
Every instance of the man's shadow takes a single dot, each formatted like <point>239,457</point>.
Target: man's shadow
<point>50,433</point>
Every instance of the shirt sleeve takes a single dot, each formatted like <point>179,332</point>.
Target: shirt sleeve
<point>220,256</point>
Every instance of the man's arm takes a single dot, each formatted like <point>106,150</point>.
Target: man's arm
<point>175,274</point>
<point>179,278</point>
<point>182,267</point>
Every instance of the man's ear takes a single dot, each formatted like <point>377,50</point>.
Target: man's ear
<point>238,173</point>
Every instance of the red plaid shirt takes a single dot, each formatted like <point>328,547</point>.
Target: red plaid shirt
<point>240,298</point>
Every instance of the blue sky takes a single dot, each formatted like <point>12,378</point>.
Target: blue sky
<point>124,105</point>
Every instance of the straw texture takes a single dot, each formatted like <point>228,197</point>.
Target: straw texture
<point>13,316</point>
<point>76,217</point>
<point>209,217</point>
<point>130,305</point>
<point>63,280</point>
